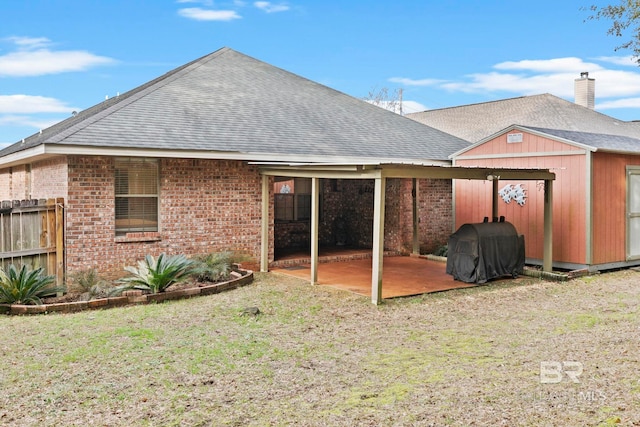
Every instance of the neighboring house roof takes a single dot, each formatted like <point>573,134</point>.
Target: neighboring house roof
<point>477,121</point>
<point>586,140</point>
<point>229,105</point>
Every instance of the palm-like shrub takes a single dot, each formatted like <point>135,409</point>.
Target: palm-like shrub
<point>157,274</point>
<point>214,266</point>
<point>89,284</point>
<point>25,286</point>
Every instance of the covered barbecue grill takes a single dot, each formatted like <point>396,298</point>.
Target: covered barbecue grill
<point>481,252</point>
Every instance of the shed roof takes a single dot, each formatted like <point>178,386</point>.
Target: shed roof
<point>597,141</point>
<point>229,105</point>
<point>475,122</point>
<point>586,140</point>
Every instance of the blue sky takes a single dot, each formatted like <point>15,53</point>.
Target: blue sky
<point>57,56</point>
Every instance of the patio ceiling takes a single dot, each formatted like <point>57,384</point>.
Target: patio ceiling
<point>379,172</point>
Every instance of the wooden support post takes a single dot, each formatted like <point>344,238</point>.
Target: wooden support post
<point>547,257</point>
<point>315,211</point>
<point>416,217</point>
<point>264,244</point>
<point>495,199</point>
<point>378,240</point>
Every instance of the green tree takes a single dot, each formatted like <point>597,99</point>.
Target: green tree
<point>625,18</point>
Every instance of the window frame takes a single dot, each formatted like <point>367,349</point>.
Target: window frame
<point>128,164</point>
<point>295,202</point>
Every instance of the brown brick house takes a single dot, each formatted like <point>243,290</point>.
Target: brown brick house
<point>189,163</point>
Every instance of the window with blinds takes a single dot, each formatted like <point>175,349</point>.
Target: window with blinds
<point>136,193</point>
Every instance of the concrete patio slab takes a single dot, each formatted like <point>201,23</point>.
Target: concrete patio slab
<point>402,276</point>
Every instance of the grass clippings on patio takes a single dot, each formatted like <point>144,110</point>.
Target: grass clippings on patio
<point>317,356</point>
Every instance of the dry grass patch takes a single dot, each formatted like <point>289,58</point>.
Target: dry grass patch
<point>317,356</point>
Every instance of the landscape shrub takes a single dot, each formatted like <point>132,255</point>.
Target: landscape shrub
<point>89,284</point>
<point>25,286</point>
<point>157,274</point>
<point>214,267</point>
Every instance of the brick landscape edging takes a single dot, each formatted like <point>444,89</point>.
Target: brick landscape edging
<point>241,278</point>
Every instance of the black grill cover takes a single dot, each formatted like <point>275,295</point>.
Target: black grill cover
<point>480,252</point>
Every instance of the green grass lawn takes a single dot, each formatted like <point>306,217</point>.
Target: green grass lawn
<point>319,356</point>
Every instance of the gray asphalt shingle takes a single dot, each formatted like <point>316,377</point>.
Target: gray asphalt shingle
<point>229,102</point>
<point>616,143</point>
<point>478,121</point>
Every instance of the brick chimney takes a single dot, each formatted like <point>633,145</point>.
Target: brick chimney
<point>585,91</point>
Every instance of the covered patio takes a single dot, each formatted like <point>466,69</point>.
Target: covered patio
<point>379,173</point>
<point>402,276</point>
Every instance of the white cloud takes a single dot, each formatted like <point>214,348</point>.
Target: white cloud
<point>38,112</point>
<point>43,61</point>
<point>555,76</point>
<point>394,106</point>
<point>200,14</point>
<point>619,103</point>
<point>28,104</point>
<point>33,57</point>
<point>556,65</point>
<point>420,82</point>
<point>270,7</point>
<point>616,83</point>
<point>202,2</point>
<point>412,107</point>
<point>628,61</point>
<point>560,84</point>
<point>22,121</point>
<point>29,42</point>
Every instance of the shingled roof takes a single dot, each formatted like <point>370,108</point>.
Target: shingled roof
<point>596,141</point>
<point>475,122</point>
<point>227,103</point>
<point>587,140</point>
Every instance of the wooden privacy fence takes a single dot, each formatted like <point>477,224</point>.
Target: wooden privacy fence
<point>31,233</point>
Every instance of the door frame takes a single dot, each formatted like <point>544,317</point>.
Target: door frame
<point>630,215</point>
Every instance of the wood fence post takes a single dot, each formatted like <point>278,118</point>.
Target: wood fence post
<point>59,241</point>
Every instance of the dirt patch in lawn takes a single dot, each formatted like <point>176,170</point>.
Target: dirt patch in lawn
<point>502,354</point>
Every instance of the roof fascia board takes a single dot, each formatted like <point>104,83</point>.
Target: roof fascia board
<point>328,174</point>
<point>458,172</point>
<point>408,171</point>
<point>223,155</point>
<point>24,156</point>
<point>39,151</point>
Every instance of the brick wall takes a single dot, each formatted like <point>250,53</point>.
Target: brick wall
<point>90,221</point>
<point>351,201</point>
<point>209,205</point>
<point>5,184</point>
<point>41,180</point>
<point>15,183</point>
<point>49,178</point>
<point>205,206</point>
<point>435,211</point>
